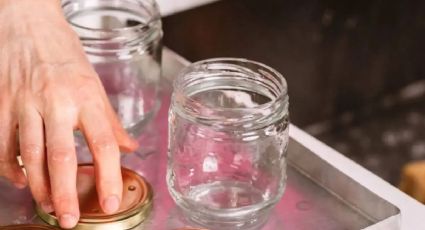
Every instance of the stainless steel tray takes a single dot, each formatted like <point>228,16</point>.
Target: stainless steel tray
<point>318,195</point>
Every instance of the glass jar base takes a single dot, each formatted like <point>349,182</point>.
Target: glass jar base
<point>248,220</point>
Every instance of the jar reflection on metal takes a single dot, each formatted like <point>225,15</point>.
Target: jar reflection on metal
<point>228,135</point>
<point>122,39</point>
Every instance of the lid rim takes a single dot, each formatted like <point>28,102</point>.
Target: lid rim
<point>125,219</point>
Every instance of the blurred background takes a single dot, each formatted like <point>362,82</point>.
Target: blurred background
<point>355,68</point>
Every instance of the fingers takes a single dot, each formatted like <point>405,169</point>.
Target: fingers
<point>62,165</point>
<point>106,155</point>
<point>9,166</point>
<point>31,140</point>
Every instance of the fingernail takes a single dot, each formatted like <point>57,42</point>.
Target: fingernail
<point>111,204</point>
<point>47,206</point>
<point>67,221</point>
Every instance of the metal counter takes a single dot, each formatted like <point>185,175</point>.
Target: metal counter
<point>325,190</point>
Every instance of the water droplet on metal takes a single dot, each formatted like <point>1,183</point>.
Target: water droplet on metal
<point>304,205</point>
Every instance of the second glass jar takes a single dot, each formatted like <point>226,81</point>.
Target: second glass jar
<point>228,135</point>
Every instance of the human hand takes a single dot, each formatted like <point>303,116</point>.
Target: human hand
<point>47,90</point>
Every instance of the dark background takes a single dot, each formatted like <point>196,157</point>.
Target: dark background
<point>354,68</point>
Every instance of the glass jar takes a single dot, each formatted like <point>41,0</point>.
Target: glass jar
<point>228,135</point>
<point>122,39</point>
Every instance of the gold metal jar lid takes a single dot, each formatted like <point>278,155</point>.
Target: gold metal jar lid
<point>27,227</point>
<point>135,206</point>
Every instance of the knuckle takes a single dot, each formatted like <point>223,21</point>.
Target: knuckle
<point>31,153</point>
<point>59,155</point>
<point>49,93</point>
<point>104,143</point>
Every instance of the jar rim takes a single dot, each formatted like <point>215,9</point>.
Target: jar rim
<point>280,101</point>
<point>151,6</point>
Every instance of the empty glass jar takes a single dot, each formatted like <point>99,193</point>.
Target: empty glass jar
<point>228,135</point>
<point>122,39</point>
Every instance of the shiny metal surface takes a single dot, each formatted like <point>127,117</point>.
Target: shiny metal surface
<point>325,190</point>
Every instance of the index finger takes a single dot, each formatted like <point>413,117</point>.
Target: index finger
<point>106,155</point>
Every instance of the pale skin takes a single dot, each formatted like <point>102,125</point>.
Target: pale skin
<point>48,89</point>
